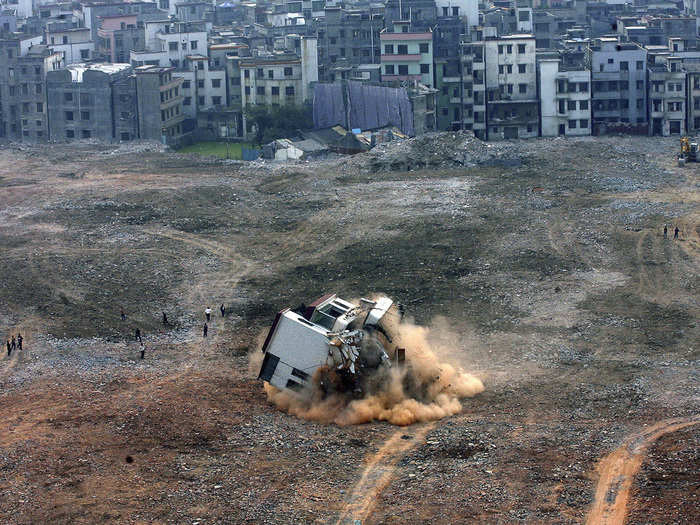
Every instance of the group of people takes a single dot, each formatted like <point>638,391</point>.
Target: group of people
<point>13,344</point>
<point>207,316</point>
<point>675,232</point>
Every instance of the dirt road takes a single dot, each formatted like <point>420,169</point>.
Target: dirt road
<point>618,469</point>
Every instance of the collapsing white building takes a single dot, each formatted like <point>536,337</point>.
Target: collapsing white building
<point>347,341</point>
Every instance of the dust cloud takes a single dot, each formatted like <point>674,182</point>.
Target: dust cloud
<point>426,389</point>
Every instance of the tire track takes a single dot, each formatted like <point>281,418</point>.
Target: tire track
<point>618,469</point>
<point>379,471</point>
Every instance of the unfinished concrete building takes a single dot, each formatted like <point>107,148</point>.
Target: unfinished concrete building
<point>89,101</point>
<point>159,96</point>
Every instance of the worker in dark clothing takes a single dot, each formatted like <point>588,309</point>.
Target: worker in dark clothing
<point>223,310</point>
<point>123,315</point>
<point>9,349</point>
<point>665,231</point>
<point>13,344</point>
<point>143,350</point>
<point>19,341</point>
<point>137,335</point>
<point>675,233</point>
<point>205,329</point>
<point>165,319</point>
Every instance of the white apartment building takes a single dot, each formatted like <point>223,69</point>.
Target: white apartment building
<point>504,80</point>
<point>565,99</point>
<point>667,95</point>
<point>407,55</point>
<point>74,44</point>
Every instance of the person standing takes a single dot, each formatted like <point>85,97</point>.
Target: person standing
<point>122,314</point>
<point>207,313</point>
<point>223,310</point>
<point>675,233</point>
<point>205,330</point>
<point>165,319</point>
<point>665,231</point>
<point>137,335</point>
<point>143,350</point>
<point>9,350</point>
<point>13,344</point>
<point>19,341</point>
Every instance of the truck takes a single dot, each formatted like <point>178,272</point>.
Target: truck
<point>332,344</point>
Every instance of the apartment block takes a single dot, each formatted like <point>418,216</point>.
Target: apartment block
<point>407,56</point>
<point>159,98</point>
<point>89,101</point>
<point>619,77</point>
<point>23,72</point>
<point>667,95</point>
<point>565,98</point>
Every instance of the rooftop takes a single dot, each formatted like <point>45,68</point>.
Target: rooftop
<point>77,70</point>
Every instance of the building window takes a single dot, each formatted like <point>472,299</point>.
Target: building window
<point>583,87</point>
<point>38,89</point>
<point>275,91</point>
<point>425,68</point>
<point>124,136</point>
<point>215,82</point>
<point>200,84</point>
<point>85,99</point>
<point>260,90</point>
<point>70,133</point>
<point>84,115</point>
<point>287,71</point>
<point>509,49</point>
<point>624,65</point>
<point>500,49</point>
<point>289,91</point>
<point>571,105</point>
<point>423,48</point>
<point>69,115</point>
<point>640,65</point>
<point>68,96</point>
<point>572,124</point>
<point>247,90</point>
<point>389,69</point>
<point>86,133</point>
<point>501,68</point>
<point>246,73</point>
<point>583,104</point>
<point>522,88</point>
<point>193,44</point>
<point>84,54</point>
<point>402,49</point>
<point>187,101</point>
<point>216,101</point>
<point>172,46</point>
<point>640,103</point>
<point>200,101</point>
<point>403,69</point>
<point>583,123</point>
<point>521,47</point>
<point>562,106</point>
<point>38,123</point>
<point>186,84</point>
<point>39,107</point>
<point>522,68</point>
<point>388,49</point>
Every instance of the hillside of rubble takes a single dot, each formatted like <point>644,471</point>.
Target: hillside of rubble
<point>541,264</point>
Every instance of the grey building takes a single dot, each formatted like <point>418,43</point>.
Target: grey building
<point>23,112</point>
<point>92,101</point>
<point>159,96</point>
<point>619,78</point>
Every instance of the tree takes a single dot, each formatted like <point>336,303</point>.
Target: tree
<point>276,122</point>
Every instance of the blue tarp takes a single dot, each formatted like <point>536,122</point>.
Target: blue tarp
<point>368,107</point>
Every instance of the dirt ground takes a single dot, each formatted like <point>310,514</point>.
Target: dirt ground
<point>544,265</point>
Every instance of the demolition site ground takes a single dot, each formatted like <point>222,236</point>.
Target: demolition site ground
<point>541,264</point>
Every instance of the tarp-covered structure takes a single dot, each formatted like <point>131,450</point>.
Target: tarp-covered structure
<point>355,105</point>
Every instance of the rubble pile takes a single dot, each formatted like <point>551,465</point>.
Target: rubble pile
<point>438,150</point>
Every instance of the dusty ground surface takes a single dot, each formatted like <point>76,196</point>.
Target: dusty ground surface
<point>544,259</point>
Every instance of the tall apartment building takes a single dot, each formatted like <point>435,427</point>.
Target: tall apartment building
<point>347,38</point>
<point>159,96</point>
<point>407,56</point>
<point>693,96</point>
<point>74,43</point>
<point>667,95</point>
<point>565,98</point>
<point>619,77</point>
<point>117,36</point>
<point>92,101</point>
<point>23,105</point>
<point>504,80</point>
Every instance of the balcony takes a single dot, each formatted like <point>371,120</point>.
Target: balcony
<point>401,58</point>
